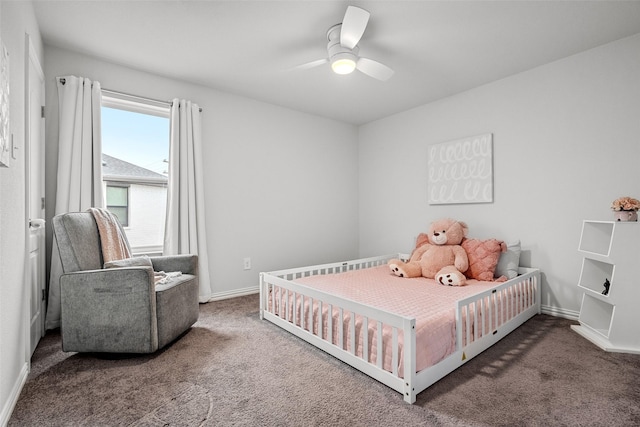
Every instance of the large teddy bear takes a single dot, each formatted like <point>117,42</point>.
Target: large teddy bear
<point>438,254</point>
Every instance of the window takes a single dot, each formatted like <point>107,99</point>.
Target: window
<point>135,153</point>
<point>118,202</point>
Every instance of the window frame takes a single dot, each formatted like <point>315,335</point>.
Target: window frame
<point>115,184</point>
<point>135,104</point>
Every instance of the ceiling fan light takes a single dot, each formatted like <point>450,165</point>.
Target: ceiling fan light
<point>343,66</point>
<point>343,60</point>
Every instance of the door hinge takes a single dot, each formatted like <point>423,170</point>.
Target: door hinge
<point>42,112</point>
<point>42,203</point>
<point>44,295</point>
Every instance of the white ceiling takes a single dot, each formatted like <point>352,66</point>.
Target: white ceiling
<point>437,48</point>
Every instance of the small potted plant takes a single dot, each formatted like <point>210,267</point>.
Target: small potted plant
<point>625,209</point>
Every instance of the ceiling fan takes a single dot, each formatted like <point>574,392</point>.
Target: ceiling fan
<point>343,48</point>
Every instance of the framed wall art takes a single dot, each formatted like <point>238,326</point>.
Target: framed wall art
<point>5,132</point>
<point>461,171</point>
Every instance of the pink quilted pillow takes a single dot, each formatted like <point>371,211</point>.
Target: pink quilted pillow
<point>483,258</point>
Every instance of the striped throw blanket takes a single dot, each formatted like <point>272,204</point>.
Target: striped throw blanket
<point>113,242</point>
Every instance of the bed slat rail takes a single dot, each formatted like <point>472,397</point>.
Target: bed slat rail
<point>287,303</point>
<point>497,307</point>
<point>481,320</point>
<point>337,267</point>
<point>513,302</point>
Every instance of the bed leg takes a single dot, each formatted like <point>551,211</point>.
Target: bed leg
<point>409,331</point>
<point>409,394</point>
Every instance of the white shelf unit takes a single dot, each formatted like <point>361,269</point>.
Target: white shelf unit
<point>610,250</point>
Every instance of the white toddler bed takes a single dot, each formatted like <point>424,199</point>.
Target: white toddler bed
<point>427,330</point>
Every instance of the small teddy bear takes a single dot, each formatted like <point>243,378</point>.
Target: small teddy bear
<point>438,255</point>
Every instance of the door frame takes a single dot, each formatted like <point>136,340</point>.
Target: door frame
<point>31,59</point>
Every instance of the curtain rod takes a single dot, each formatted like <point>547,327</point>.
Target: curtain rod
<point>142,98</point>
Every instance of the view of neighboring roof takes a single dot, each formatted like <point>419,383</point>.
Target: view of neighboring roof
<point>114,169</point>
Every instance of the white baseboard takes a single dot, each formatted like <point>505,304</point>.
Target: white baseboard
<point>234,293</point>
<point>7,409</point>
<point>560,312</point>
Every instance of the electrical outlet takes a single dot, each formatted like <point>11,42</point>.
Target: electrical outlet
<point>247,263</point>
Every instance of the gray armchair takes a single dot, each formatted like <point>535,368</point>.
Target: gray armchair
<point>119,310</point>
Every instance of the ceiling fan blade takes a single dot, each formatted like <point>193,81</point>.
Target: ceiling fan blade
<point>374,69</point>
<point>353,26</point>
<point>311,64</point>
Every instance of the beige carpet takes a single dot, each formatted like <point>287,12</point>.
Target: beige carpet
<point>233,369</point>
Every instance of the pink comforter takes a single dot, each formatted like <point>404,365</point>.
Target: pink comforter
<point>431,304</point>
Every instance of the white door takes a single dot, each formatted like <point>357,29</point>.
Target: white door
<point>34,159</point>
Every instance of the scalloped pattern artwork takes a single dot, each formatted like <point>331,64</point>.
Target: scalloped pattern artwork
<point>461,171</point>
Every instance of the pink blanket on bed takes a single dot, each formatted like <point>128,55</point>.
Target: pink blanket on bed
<point>431,304</point>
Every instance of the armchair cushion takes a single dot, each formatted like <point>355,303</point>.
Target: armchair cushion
<point>78,241</point>
<point>138,261</point>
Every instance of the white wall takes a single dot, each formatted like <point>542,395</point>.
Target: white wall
<point>16,18</point>
<point>281,186</point>
<point>566,144</point>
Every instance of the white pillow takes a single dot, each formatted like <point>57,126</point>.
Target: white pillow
<point>509,261</point>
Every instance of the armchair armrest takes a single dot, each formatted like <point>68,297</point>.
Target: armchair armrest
<point>111,310</point>
<point>187,263</point>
